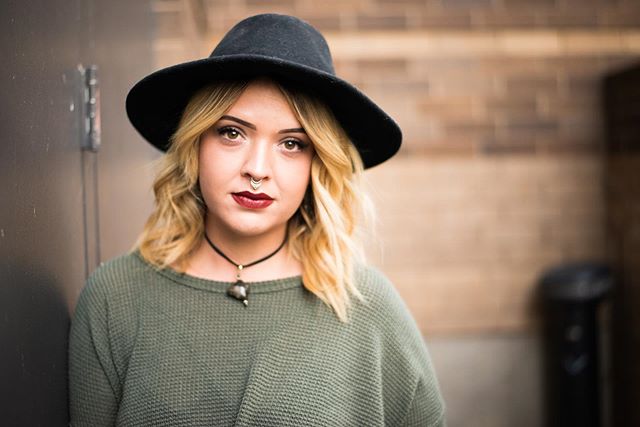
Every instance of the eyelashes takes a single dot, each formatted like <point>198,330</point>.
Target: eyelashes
<point>227,131</point>
<point>297,145</point>
<point>231,133</point>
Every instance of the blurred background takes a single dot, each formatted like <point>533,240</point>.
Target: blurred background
<point>521,153</point>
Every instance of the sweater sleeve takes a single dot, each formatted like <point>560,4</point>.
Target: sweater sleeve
<point>93,380</point>
<point>412,393</point>
<point>416,416</point>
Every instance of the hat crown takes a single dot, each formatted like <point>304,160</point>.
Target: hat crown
<point>280,37</point>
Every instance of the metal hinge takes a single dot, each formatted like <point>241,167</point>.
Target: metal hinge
<point>91,135</point>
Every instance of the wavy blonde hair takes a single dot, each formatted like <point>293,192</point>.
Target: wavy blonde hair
<point>324,234</point>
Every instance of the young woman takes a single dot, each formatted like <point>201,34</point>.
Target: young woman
<point>246,301</point>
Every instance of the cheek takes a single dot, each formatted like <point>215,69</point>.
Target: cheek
<point>212,171</point>
<point>297,180</point>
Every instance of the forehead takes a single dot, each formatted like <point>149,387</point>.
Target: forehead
<point>263,102</point>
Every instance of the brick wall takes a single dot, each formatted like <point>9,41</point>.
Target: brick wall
<point>365,15</point>
<point>501,173</point>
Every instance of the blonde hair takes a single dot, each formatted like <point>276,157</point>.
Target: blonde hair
<point>323,235</point>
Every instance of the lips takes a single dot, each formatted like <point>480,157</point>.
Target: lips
<point>254,196</point>
<point>252,200</point>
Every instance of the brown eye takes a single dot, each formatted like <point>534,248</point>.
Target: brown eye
<point>229,133</point>
<point>290,145</point>
<point>293,145</point>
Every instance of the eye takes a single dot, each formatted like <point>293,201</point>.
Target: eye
<point>293,145</point>
<point>229,132</point>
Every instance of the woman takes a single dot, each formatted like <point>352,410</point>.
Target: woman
<point>245,300</point>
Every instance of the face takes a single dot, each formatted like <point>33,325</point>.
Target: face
<point>259,137</point>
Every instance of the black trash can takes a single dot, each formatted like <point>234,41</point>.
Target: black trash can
<point>571,295</point>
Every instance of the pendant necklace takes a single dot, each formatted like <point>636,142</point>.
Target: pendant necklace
<point>240,289</point>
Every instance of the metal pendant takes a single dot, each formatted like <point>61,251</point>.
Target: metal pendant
<point>255,184</point>
<point>239,291</point>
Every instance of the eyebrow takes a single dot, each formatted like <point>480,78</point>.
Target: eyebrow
<point>252,126</point>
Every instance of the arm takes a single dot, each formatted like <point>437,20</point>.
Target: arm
<point>93,380</point>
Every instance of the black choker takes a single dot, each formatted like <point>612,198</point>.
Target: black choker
<point>240,289</point>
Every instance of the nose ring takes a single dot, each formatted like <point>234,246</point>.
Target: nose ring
<point>255,184</point>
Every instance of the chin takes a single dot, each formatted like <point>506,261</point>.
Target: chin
<point>254,228</point>
<point>243,223</point>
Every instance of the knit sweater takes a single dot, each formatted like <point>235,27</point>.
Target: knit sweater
<point>153,347</point>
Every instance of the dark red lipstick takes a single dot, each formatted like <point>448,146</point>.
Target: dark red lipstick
<point>250,200</point>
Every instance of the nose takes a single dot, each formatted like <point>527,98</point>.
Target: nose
<point>257,164</point>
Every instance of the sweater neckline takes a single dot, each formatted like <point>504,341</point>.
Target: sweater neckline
<point>222,286</point>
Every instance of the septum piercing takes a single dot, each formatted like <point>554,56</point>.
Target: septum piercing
<point>255,184</point>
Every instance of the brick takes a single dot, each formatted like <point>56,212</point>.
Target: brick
<point>285,8</point>
<point>289,4</point>
<point>445,68</point>
<point>476,86</point>
<point>456,107</point>
<point>504,19</point>
<point>494,146</point>
<point>386,22</point>
<point>511,121</point>
<point>619,19</point>
<point>625,14</point>
<point>396,89</point>
<point>575,201</point>
<point>383,69</point>
<point>439,20</point>
<point>582,17</point>
<point>340,8</point>
<point>534,44</point>
<point>399,3</point>
<point>522,105</point>
<point>529,5</point>
<point>467,4</point>
<point>467,127</point>
<point>435,147</point>
<point>579,66</point>
<point>324,23</point>
<point>505,66</point>
<point>583,42</point>
<point>568,147</point>
<point>346,69</point>
<point>531,85</point>
<point>568,104</point>
<point>585,125</point>
<point>217,4</point>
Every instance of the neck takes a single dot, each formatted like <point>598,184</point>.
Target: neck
<point>242,249</point>
<point>242,265</point>
<point>246,249</point>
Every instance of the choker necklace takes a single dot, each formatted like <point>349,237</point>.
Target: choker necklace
<point>240,289</point>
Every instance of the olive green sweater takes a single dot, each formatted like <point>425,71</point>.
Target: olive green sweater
<point>160,348</point>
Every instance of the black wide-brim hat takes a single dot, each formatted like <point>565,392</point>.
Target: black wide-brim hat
<point>282,47</point>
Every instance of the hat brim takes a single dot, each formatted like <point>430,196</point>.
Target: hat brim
<point>155,104</point>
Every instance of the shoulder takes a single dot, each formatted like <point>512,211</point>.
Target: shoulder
<point>406,364</point>
<point>115,279</point>
<point>124,268</point>
<point>381,298</point>
<point>384,310</point>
